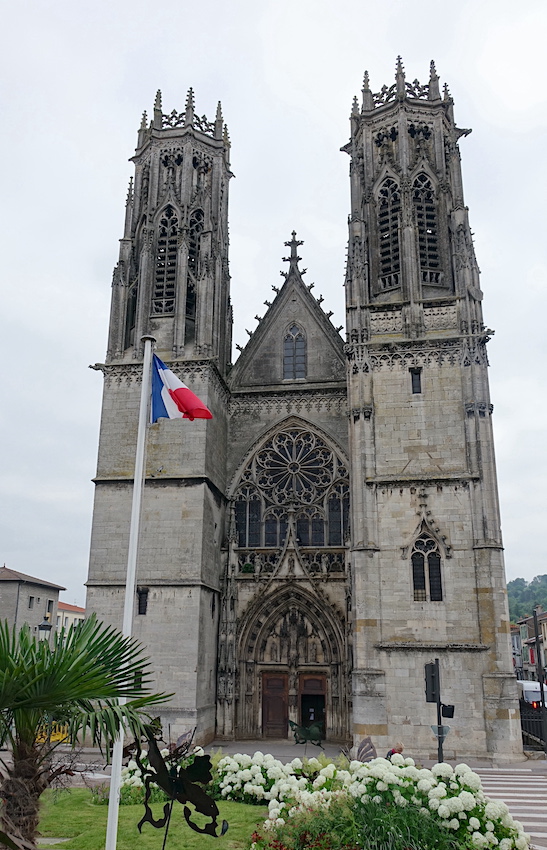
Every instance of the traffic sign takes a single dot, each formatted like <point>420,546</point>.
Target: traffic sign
<point>440,732</point>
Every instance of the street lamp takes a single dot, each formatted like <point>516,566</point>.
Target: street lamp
<point>44,629</point>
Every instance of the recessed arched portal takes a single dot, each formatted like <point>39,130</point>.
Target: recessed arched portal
<point>292,665</point>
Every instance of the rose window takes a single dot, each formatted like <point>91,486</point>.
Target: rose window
<point>295,469</point>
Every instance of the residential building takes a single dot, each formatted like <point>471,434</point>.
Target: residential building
<point>28,600</point>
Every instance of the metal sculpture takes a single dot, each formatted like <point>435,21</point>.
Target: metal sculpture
<point>312,734</point>
<point>178,783</point>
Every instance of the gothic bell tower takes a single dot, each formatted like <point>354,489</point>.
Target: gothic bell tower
<point>171,282</point>
<point>172,276</point>
<point>427,562</point>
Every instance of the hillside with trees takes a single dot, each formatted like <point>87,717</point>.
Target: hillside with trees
<point>525,595</point>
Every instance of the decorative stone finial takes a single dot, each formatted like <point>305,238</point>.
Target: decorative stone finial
<point>434,92</point>
<point>189,108</point>
<point>157,121</point>
<point>219,123</point>
<point>144,120</point>
<point>355,106</point>
<point>368,100</point>
<point>129,198</point>
<point>400,78</point>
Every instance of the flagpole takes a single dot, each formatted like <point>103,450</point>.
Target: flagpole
<point>130,581</point>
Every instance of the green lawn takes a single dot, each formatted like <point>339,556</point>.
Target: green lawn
<point>71,814</point>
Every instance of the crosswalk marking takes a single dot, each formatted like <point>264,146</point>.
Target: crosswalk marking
<point>524,793</point>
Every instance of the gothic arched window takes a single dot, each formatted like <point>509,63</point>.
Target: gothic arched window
<point>294,354</point>
<point>426,570</point>
<point>166,263</point>
<point>389,214</point>
<point>195,228</point>
<point>248,516</point>
<point>295,480</point>
<point>423,198</point>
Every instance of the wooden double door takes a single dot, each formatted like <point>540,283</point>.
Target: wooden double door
<point>275,702</point>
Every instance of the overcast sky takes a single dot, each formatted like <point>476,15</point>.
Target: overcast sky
<point>77,75</point>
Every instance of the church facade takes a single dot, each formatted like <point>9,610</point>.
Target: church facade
<point>336,525</point>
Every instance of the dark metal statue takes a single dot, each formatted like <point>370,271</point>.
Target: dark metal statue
<point>312,734</point>
<point>179,784</point>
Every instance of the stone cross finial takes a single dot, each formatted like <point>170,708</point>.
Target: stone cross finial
<point>294,259</point>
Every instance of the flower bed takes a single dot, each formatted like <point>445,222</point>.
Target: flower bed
<point>450,799</point>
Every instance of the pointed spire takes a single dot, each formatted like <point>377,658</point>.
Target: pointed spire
<point>227,143</point>
<point>141,137</point>
<point>219,123</point>
<point>400,78</point>
<point>448,103</point>
<point>189,108</point>
<point>128,211</point>
<point>434,92</point>
<point>368,100</point>
<point>157,122</point>
<point>355,106</point>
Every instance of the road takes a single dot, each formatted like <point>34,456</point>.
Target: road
<point>525,793</point>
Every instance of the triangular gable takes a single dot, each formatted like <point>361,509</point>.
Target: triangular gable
<point>261,363</point>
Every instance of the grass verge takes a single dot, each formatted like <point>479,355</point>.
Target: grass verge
<point>72,814</point>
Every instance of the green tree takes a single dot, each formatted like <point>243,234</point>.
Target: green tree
<point>524,596</point>
<point>90,679</point>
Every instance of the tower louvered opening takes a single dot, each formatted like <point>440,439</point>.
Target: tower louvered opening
<point>425,209</point>
<point>194,231</point>
<point>166,264</point>
<point>389,215</point>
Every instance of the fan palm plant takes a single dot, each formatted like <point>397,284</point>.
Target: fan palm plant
<point>91,679</point>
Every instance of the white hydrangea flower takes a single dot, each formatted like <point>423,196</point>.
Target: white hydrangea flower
<point>521,843</point>
<point>424,785</point>
<point>495,809</point>
<point>439,791</point>
<point>506,844</point>
<point>468,800</point>
<point>377,799</point>
<point>472,780</point>
<point>479,840</point>
<point>397,758</point>
<point>434,804</point>
<point>474,823</point>
<point>442,769</point>
<point>462,768</point>
<point>443,811</point>
<point>453,824</point>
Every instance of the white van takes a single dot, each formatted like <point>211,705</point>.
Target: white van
<point>530,691</point>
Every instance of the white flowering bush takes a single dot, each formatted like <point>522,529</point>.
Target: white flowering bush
<point>449,797</point>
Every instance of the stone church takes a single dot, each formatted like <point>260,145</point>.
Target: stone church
<point>336,525</point>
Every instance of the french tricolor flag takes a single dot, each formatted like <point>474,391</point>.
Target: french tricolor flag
<point>171,398</point>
